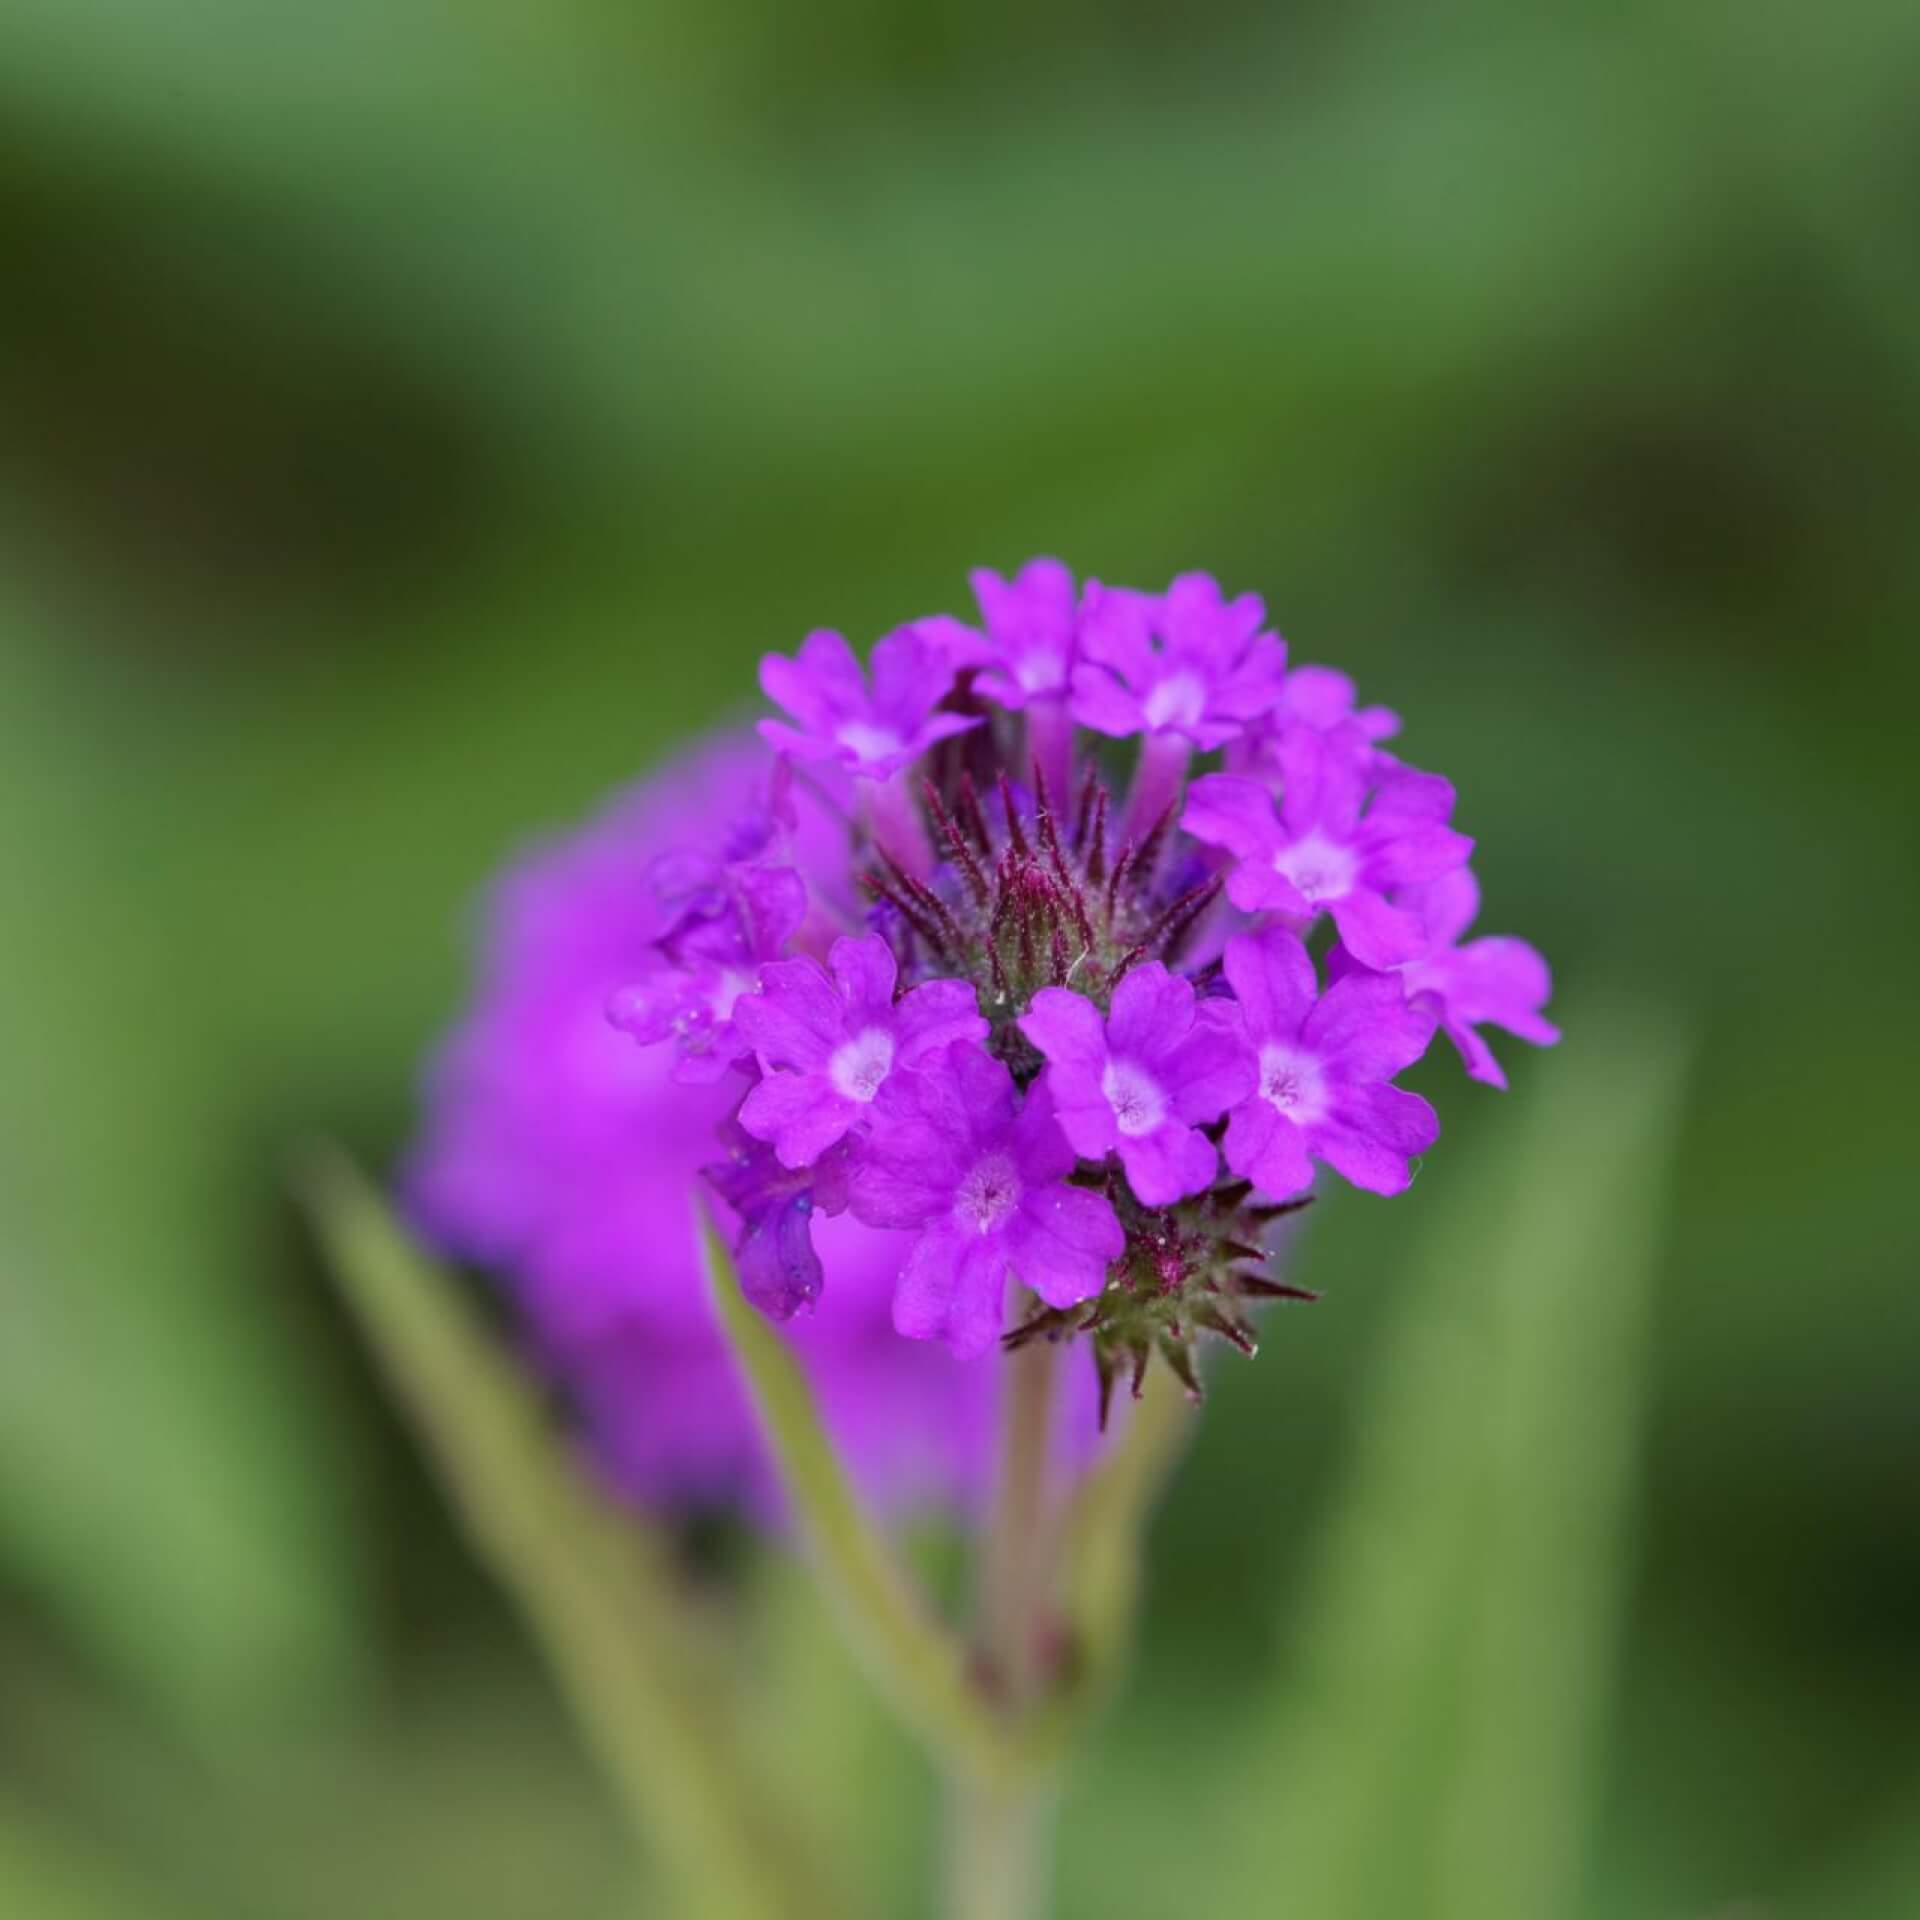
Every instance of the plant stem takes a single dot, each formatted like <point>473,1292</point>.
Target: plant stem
<point>997,1840</point>
<point>1017,1555</point>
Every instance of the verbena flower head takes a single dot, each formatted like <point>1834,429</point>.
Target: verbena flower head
<point>998,984</point>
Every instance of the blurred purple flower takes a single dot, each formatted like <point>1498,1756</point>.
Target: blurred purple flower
<point>565,1160</point>
<point>727,919</point>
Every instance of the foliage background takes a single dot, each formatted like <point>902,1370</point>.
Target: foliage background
<point>416,418</point>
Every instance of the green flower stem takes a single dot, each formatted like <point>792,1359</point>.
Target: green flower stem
<point>995,1720</point>
<point>997,1830</point>
<point>997,1841</point>
<point>642,1679</point>
<point>915,1660</point>
<point>1017,1556</point>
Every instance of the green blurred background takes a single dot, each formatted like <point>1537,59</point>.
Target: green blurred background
<point>414,418</point>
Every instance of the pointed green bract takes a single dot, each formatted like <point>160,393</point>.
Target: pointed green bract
<point>642,1678</point>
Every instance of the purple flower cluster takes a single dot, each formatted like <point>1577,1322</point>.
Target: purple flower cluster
<point>966,1014</point>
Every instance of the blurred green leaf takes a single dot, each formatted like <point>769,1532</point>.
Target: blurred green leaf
<point>166,1483</point>
<point>1431,1747</point>
<point>47,1874</point>
<point>915,1660</point>
<point>643,1680</point>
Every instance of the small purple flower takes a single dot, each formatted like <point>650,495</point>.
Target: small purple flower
<point>779,1270</point>
<point>873,733</point>
<point>1141,1082</point>
<point>726,920</point>
<point>1320,852</point>
<point>1186,663</point>
<point>1032,633</point>
<point>983,1181</point>
<point>1323,1069</point>
<point>1496,980</point>
<point>827,1041</point>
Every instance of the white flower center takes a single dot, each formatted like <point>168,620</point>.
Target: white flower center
<point>1040,671</point>
<point>988,1194</point>
<point>1292,1084</point>
<point>1177,701</point>
<point>1135,1097</point>
<point>868,742</point>
<point>860,1065</point>
<point>727,989</point>
<point>1319,868</point>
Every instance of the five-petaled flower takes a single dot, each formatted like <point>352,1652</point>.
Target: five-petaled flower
<point>1324,1063</point>
<point>1031,636</point>
<point>1143,1081</point>
<point>827,1039</point>
<point>874,733</point>
<point>1186,662</point>
<point>1325,848</point>
<point>982,1178</point>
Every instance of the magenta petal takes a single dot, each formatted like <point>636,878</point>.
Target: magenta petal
<point>1325,781</point>
<point>1376,934</point>
<point>1067,1028</point>
<point>1041,1151</point>
<point>1213,1068</point>
<point>1100,702</point>
<point>790,740</point>
<point>1062,1241</point>
<point>1254,887</point>
<point>911,675</point>
<point>931,1018</point>
<point>799,1113</point>
<point>953,1289</point>
<point>1271,975</point>
<point>1449,905</point>
<point>865,971</point>
<point>1372,1134</point>
<point>1416,851</point>
<point>1231,811</point>
<point>1151,1010</point>
<point>1267,1148</point>
<point>1168,1164</point>
<point>1365,1030</point>
<point>1475,1055</point>
<point>1503,980</point>
<point>796,1019</point>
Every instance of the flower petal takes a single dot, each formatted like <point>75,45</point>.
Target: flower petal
<point>1365,1029</point>
<point>1376,934</point>
<point>1271,974</point>
<point>1062,1240</point>
<point>1168,1164</point>
<point>1267,1148</point>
